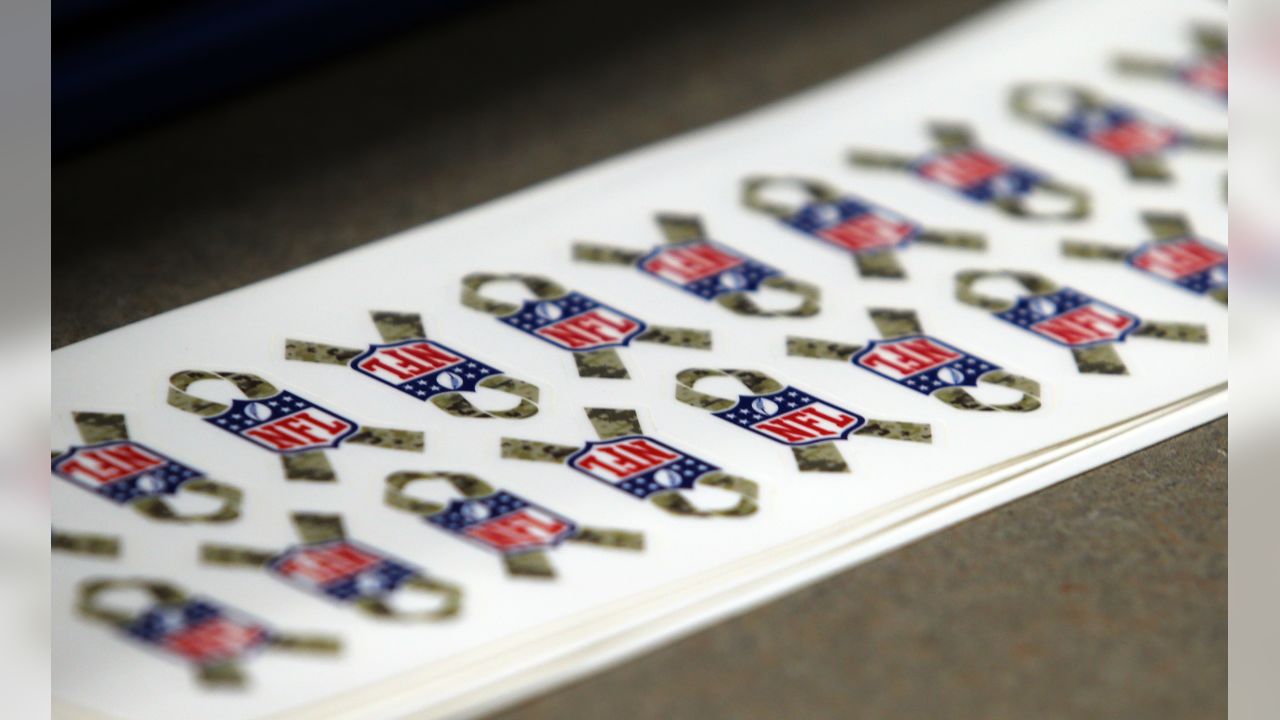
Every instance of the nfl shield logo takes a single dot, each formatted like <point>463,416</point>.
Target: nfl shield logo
<point>422,369</point>
<point>285,423</point>
<point>1120,131</point>
<point>922,363</point>
<point>854,225</point>
<point>1208,75</point>
<point>575,322</point>
<point>705,269</point>
<point>977,174</point>
<point>1186,262</point>
<point>342,570</point>
<point>122,470</point>
<point>639,465</point>
<point>1071,318</point>
<point>199,631</point>
<point>792,417</point>
<point>505,522</point>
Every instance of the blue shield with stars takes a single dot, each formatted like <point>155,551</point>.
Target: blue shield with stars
<point>792,417</point>
<point>199,631</point>
<point>1189,263</point>
<point>977,174</point>
<point>575,322</point>
<point>505,523</point>
<point>122,470</point>
<point>1119,131</point>
<point>1070,318</point>
<point>854,225</point>
<point>422,369</point>
<point>341,570</point>
<point>922,363</point>
<point>639,465</point>
<point>705,268</point>
<point>285,423</point>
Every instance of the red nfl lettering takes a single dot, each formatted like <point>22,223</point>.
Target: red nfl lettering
<point>1210,74</point>
<point>325,564</point>
<point>1174,260</point>
<point>524,528</point>
<point>217,639</point>
<point>806,423</point>
<point>408,362</point>
<point>907,357</point>
<point>1083,325</point>
<point>308,428</point>
<point>690,263</point>
<point>964,169</point>
<point>868,231</point>
<point>626,459</point>
<point>100,466</point>
<point>1134,137</point>
<point>589,329</point>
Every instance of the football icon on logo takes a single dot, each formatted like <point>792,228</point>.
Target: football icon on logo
<point>667,478</point>
<point>257,411</point>
<point>449,380</point>
<point>548,311</point>
<point>764,406</point>
<point>475,511</point>
<point>733,280</point>
<point>951,376</point>
<point>1043,306</point>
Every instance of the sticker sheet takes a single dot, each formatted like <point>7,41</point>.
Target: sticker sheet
<point>487,455</point>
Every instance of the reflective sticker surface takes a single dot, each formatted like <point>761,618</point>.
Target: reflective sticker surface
<point>1188,263</point>
<point>922,363</point>
<point>1071,318</point>
<point>285,423</point>
<point>792,417</point>
<point>343,570</point>
<point>854,225</point>
<point>504,522</point>
<point>639,465</point>
<point>422,369</point>
<point>706,269</point>
<point>575,322</point>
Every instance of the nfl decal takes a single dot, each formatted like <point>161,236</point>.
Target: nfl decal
<point>214,638</point>
<point>922,363</point>
<point>519,530</point>
<point>642,467</point>
<point>424,370</point>
<point>330,565</point>
<point>1176,256</point>
<point>691,262</point>
<point>961,166</point>
<point>120,470</point>
<point>285,423</point>
<point>1205,72</point>
<point>1087,326</point>
<point>572,321</point>
<point>88,544</point>
<point>809,425</point>
<point>872,235</point>
<point>1138,139</point>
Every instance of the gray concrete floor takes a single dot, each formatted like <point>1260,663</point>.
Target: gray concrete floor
<point>1101,597</point>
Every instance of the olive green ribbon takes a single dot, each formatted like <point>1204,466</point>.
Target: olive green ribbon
<point>1101,359</point>
<point>396,327</point>
<point>879,263</point>
<point>956,137</point>
<point>1165,226</point>
<point>1210,41</point>
<point>820,457</point>
<point>315,529</point>
<point>677,228</point>
<point>616,422</point>
<point>97,428</point>
<point>529,563</point>
<point>605,363</point>
<point>90,544</point>
<point>309,466</point>
<point>1028,102</point>
<point>219,673</point>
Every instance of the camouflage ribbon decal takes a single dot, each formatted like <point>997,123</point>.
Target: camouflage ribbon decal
<point>125,472</point>
<point>1206,72</point>
<point>959,164</point>
<point>284,423</point>
<point>212,637</point>
<point>922,363</point>
<point>787,415</point>
<point>571,321</point>
<point>1175,256</point>
<point>873,235</point>
<point>423,369</point>
<point>330,565</point>
<point>522,532</point>
<point>640,466</point>
<point>89,544</point>
<point>1133,136</point>
<point>706,269</point>
<point>1088,327</point>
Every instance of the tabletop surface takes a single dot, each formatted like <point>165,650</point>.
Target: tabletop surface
<point>1104,596</point>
